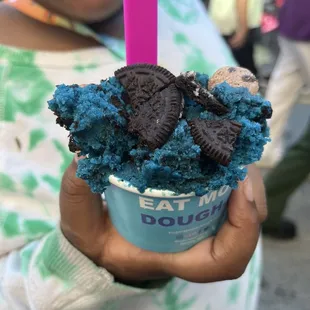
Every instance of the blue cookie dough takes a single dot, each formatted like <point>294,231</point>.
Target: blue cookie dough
<point>99,129</point>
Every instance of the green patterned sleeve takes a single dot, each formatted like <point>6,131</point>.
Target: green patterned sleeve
<point>49,273</point>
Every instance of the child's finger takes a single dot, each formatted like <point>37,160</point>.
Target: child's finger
<point>79,207</point>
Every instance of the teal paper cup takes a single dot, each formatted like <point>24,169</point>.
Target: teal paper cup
<point>161,221</point>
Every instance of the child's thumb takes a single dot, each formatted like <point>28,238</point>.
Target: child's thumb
<point>77,202</point>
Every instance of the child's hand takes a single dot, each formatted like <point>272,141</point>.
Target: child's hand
<point>86,224</point>
<point>238,39</point>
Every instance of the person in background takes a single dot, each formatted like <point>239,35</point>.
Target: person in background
<point>58,249</point>
<point>291,74</point>
<point>269,38</point>
<point>239,23</point>
<point>281,182</point>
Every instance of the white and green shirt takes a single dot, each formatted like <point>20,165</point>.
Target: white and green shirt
<point>224,14</point>
<point>39,268</point>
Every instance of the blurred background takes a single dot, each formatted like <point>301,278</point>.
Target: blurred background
<point>286,277</point>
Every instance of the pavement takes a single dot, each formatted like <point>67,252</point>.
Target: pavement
<point>286,272</point>
<point>286,276</point>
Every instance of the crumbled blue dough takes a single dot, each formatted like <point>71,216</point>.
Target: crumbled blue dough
<point>99,129</point>
<point>203,79</point>
<point>191,109</point>
<point>244,108</point>
<point>177,162</point>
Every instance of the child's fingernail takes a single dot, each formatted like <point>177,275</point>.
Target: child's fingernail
<point>248,189</point>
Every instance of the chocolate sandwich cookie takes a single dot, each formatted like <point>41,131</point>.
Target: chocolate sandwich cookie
<point>72,145</point>
<point>155,120</point>
<point>155,100</point>
<point>142,81</point>
<point>190,86</point>
<point>216,138</point>
<point>235,77</point>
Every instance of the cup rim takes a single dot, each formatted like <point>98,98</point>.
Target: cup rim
<point>148,192</point>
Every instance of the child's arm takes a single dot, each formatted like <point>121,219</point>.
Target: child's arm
<point>51,274</point>
<point>41,269</point>
<point>48,273</point>
<point>42,265</point>
<point>240,36</point>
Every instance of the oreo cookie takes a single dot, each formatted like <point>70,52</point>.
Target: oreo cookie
<point>216,138</point>
<point>72,145</point>
<point>119,105</point>
<point>63,122</point>
<point>116,102</point>
<point>188,84</point>
<point>155,120</point>
<point>267,112</point>
<point>142,81</point>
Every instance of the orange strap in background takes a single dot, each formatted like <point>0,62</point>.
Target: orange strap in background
<point>38,12</point>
